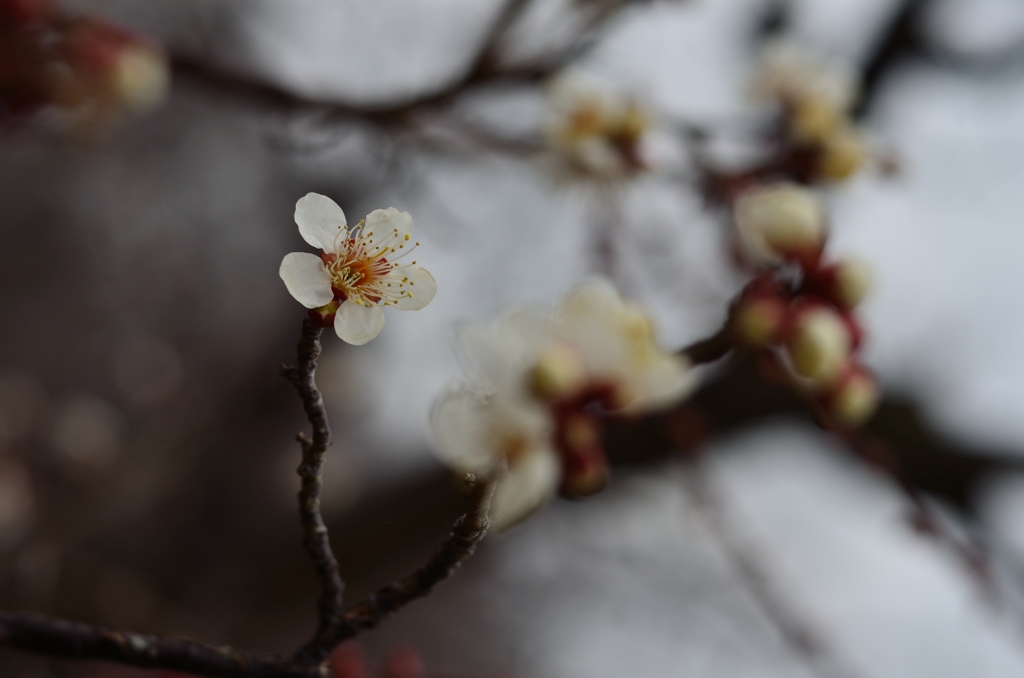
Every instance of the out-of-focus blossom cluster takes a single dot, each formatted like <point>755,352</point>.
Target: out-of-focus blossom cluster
<point>818,139</point>
<point>802,304</point>
<point>597,132</point>
<point>531,417</point>
<point>357,272</point>
<point>82,71</point>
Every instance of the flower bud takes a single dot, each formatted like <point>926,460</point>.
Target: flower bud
<point>141,78</point>
<point>845,283</point>
<point>559,371</point>
<point>819,343</point>
<point>842,154</point>
<point>781,220</point>
<point>759,320</point>
<point>852,282</point>
<point>855,399</point>
<point>130,73</point>
<point>814,119</point>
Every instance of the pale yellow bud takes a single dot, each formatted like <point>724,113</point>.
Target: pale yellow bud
<point>559,371</point>
<point>815,118</point>
<point>855,401</point>
<point>757,321</point>
<point>781,219</point>
<point>852,283</point>
<point>819,345</point>
<point>842,154</point>
<point>141,78</point>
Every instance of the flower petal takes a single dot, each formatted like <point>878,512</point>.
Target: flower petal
<point>530,482</point>
<point>665,382</point>
<point>497,353</point>
<point>462,432</point>
<point>389,226</point>
<point>357,324</point>
<point>592,297</point>
<point>420,287</point>
<point>320,220</point>
<point>307,279</point>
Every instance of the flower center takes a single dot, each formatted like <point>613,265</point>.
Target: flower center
<point>354,270</point>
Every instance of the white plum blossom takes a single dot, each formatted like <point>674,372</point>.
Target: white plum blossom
<point>618,344</point>
<point>358,271</point>
<point>816,96</point>
<point>526,419</point>
<point>792,73</point>
<point>494,425</point>
<point>597,131</point>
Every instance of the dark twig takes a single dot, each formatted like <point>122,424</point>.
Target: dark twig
<point>490,51</point>
<point>72,640</point>
<point>711,349</point>
<point>805,641</point>
<point>900,39</point>
<point>460,544</point>
<point>972,556</point>
<point>55,637</point>
<point>316,539</point>
<point>484,70</point>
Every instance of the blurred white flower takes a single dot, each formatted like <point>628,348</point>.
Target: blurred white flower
<point>597,131</point>
<point>358,270</point>
<point>528,416</point>
<point>816,96</point>
<point>619,347</point>
<point>499,435</point>
<point>793,74</point>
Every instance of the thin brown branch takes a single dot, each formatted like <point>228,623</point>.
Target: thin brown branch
<point>974,558</point>
<point>72,640</point>
<point>711,349</point>
<point>805,641</point>
<point>459,545</point>
<point>484,70</point>
<point>54,637</point>
<point>490,51</point>
<point>314,451</point>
